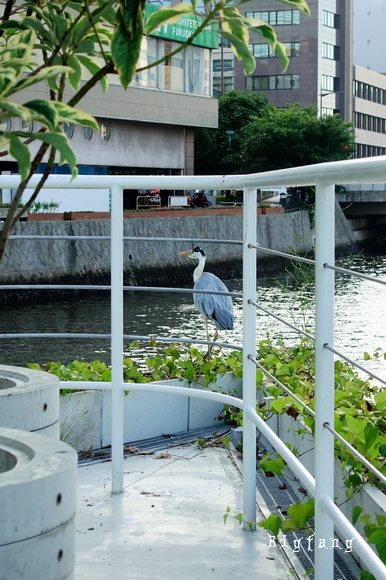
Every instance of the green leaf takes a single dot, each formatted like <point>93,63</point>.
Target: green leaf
<point>60,26</point>
<point>272,523</point>
<point>31,22</point>
<point>284,370</point>
<point>382,449</point>
<point>46,74</point>
<point>62,144</point>
<point>75,75</point>
<point>169,15</point>
<point>22,45</point>
<point>355,426</point>
<point>379,539</point>
<point>371,434</point>
<point>44,112</point>
<point>15,109</point>
<point>130,10</point>
<point>365,575</point>
<point>366,356</point>
<point>70,115</point>
<point>93,67</point>
<point>380,399</point>
<point>86,46</point>
<point>13,25</point>
<point>282,54</point>
<point>356,512</point>
<point>272,465</point>
<point>278,405</point>
<point>241,50</point>
<point>21,153</point>
<point>125,50</point>
<point>302,512</point>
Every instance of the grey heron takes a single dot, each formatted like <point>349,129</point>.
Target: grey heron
<point>216,307</point>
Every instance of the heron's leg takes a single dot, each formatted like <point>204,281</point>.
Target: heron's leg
<point>215,335</point>
<point>207,329</point>
<point>207,338</point>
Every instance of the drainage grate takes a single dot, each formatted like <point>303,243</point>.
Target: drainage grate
<point>166,440</point>
<point>278,495</point>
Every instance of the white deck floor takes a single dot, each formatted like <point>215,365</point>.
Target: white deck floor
<point>168,523</point>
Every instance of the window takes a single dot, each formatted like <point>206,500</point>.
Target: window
<point>147,56</point>
<point>330,51</point>
<point>260,50</point>
<point>227,64</point>
<point>173,68</point>
<point>197,77</point>
<point>105,132</point>
<point>68,130</point>
<point>327,111</point>
<point>370,123</point>
<point>369,93</point>
<point>331,20</point>
<point>5,125</point>
<point>330,83</point>
<point>276,17</point>
<point>292,48</point>
<point>26,126</point>
<point>273,82</point>
<point>265,51</point>
<point>87,133</point>
<point>228,86</point>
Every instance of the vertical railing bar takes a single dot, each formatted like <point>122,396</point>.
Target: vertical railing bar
<point>324,375</point>
<point>249,349</point>
<point>117,393</point>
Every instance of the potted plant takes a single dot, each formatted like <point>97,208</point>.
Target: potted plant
<point>269,208</point>
<point>4,208</point>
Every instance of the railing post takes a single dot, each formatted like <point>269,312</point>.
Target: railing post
<point>324,376</point>
<point>249,348</point>
<point>116,339</point>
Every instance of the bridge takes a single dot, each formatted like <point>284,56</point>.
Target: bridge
<point>364,200</point>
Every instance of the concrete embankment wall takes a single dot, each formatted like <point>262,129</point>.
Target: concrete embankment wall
<point>153,262</point>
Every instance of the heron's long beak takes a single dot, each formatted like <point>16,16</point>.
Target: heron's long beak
<point>187,254</point>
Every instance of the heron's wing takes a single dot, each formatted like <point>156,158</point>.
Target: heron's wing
<point>218,308</point>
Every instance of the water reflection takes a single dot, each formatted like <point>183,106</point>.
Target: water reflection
<point>360,308</point>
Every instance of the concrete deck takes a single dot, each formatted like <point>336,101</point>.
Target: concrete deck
<point>168,523</point>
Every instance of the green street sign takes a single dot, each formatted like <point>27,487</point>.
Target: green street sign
<point>182,30</point>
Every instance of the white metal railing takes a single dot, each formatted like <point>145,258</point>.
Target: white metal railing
<point>324,176</point>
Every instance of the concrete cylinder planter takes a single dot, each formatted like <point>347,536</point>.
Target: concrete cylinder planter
<point>29,400</point>
<point>37,507</point>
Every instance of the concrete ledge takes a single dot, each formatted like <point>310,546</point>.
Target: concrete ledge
<point>86,417</point>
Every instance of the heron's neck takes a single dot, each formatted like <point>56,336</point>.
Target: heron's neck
<point>200,268</point>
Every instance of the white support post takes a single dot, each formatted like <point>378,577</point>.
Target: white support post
<point>249,348</point>
<point>324,376</point>
<point>116,339</point>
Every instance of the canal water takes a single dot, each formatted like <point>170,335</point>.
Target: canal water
<point>360,308</point>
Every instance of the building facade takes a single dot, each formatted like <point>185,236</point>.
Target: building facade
<point>319,48</point>
<point>369,115</point>
<point>147,129</point>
